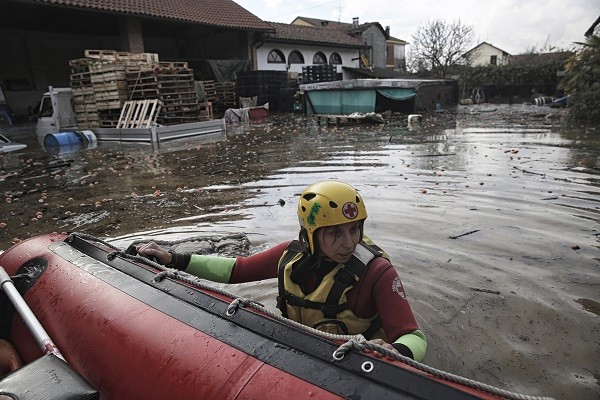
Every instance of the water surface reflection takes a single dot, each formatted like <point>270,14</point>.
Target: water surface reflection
<point>490,218</point>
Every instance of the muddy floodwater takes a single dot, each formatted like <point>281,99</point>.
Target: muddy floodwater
<point>491,216</point>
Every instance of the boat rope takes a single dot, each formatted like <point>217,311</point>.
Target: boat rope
<point>200,283</point>
<point>352,342</point>
<point>363,344</point>
<point>241,301</point>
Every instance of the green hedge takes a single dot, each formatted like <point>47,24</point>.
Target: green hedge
<point>512,74</point>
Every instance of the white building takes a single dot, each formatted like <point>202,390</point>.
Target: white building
<point>292,47</point>
<point>486,54</point>
<point>372,36</point>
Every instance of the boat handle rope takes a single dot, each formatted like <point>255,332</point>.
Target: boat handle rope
<point>352,342</point>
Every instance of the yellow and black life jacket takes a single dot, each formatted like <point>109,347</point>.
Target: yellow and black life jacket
<point>326,307</point>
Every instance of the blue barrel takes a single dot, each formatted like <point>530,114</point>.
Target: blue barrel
<point>62,139</point>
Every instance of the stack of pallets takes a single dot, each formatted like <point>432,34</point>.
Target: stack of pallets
<point>226,97</point>
<point>173,84</point>
<point>84,101</point>
<point>105,79</point>
<point>100,87</point>
<point>210,90</point>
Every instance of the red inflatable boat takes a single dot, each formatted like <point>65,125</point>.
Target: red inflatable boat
<point>128,335</point>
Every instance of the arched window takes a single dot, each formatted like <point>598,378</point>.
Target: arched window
<point>320,58</point>
<point>295,57</point>
<point>276,56</point>
<point>335,59</point>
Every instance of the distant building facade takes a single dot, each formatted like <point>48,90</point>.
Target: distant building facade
<point>372,36</point>
<point>40,37</point>
<point>292,47</point>
<point>396,52</point>
<point>486,54</point>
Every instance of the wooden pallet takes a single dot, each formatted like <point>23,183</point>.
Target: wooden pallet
<point>139,113</point>
<point>113,55</point>
<point>206,111</point>
<point>98,67</point>
<point>85,107</point>
<point>108,77</point>
<point>141,94</point>
<point>83,91</point>
<point>87,120</point>
<point>108,104</point>
<point>226,94</point>
<point>107,95</point>
<point>211,90</point>
<point>173,65</point>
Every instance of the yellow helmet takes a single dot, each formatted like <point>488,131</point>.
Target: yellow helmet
<point>328,203</point>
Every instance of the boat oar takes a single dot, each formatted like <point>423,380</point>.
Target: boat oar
<point>37,330</point>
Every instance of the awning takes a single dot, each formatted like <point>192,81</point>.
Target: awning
<point>356,100</point>
<point>397,94</point>
<point>342,101</point>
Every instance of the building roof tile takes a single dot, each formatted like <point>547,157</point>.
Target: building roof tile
<point>348,28</point>
<point>221,13</point>
<point>342,26</point>
<point>311,35</point>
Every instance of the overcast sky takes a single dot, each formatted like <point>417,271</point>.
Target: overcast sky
<point>514,26</point>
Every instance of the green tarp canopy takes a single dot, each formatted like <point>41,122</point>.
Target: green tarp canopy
<point>355,100</point>
<point>397,94</point>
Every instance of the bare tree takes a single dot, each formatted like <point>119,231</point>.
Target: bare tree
<point>438,45</point>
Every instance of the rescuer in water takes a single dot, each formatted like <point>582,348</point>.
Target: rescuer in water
<point>333,278</point>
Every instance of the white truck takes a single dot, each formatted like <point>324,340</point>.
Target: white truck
<point>57,115</point>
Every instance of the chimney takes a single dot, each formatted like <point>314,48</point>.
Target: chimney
<point>324,23</point>
<point>387,31</point>
<point>355,22</point>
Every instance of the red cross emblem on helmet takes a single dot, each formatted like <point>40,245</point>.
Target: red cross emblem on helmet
<point>350,210</point>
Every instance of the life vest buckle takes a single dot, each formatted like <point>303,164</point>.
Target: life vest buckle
<point>332,310</point>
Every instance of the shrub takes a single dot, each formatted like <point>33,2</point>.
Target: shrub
<point>582,83</point>
<point>522,77</point>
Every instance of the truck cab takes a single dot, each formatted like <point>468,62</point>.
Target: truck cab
<point>56,112</point>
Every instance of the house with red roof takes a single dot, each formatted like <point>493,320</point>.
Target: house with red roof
<point>39,37</point>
